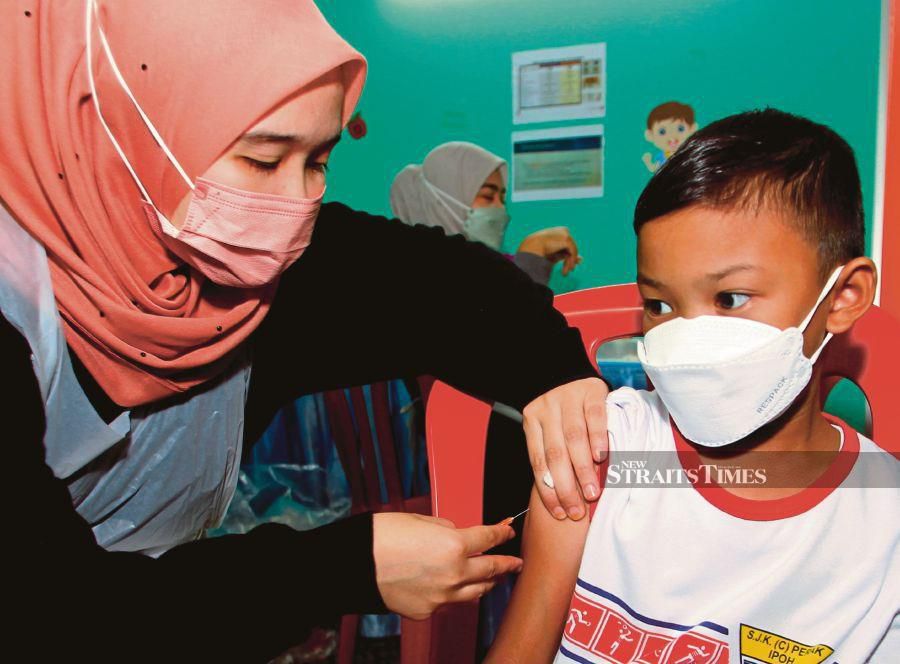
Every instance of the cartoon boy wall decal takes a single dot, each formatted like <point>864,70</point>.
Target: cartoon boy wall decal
<point>668,126</point>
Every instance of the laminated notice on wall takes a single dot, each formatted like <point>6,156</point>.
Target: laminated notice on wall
<point>553,84</point>
<point>566,162</point>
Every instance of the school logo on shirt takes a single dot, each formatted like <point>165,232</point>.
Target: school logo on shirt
<point>760,646</point>
<point>601,627</point>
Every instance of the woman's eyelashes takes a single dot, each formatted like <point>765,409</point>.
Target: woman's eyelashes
<point>269,166</point>
<point>729,300</point>
<point>261,165</point>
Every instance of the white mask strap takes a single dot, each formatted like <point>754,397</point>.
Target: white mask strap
<point>832,280</point>
<point>444,198</point>
<point>90,13</point>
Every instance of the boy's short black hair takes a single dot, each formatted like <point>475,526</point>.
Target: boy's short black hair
<point>767,158</point>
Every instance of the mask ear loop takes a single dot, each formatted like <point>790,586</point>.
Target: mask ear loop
<point>91,12</point>
<point>832,280</point>
<point>443,197</point>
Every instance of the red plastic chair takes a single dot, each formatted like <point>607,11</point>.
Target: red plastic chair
<point>457,423</point>
<point>356,449</point>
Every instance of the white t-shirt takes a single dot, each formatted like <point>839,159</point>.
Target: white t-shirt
<point>691,574</point>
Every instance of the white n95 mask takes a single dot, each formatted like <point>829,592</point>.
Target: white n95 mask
<point>722,378</point>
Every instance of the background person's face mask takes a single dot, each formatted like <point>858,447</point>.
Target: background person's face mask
<point>722,378</point>
<point>232,236</point>
<point>487,225</point>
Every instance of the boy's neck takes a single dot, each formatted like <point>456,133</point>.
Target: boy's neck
<point>802,442</point>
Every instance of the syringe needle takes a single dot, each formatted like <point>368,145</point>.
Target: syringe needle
<point>508,520</point>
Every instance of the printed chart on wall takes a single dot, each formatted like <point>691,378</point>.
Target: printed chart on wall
<point>566,162</point>
<point>553,84</point>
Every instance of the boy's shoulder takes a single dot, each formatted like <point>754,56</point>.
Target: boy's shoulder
<point>867,445</point>
<point>876,468</point>
<point>636,402</point>
<point>638,421</point>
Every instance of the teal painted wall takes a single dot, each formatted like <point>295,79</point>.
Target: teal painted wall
<point>440,70</point>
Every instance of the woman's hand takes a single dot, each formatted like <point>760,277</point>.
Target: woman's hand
<point>555,244</point>
<point>422,563</point>
<point>566,434</point>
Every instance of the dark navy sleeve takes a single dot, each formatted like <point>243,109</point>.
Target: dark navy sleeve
<point>374,299</point>
<point>240,598</point>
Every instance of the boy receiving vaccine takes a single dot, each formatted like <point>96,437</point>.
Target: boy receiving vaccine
<point>763,530</point>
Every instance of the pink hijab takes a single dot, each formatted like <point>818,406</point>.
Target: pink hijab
<point>204,71</point>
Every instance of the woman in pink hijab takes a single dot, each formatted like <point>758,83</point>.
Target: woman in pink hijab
<point>170,278</point>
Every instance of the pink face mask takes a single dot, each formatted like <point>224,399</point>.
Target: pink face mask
<point>234,237</point>
<point>239,238</point>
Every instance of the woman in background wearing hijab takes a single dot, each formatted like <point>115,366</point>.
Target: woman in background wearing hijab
<point>461,187</point>
<point>161,171</point>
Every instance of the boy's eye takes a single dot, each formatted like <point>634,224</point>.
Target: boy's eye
<point>260,165</point>
<point>657,307</point>
<point>731,300</point>
<point>319,167</point>
<point>681,128</point>
<point>662,131</point>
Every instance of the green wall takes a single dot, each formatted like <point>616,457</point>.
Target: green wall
<point>440,70</point>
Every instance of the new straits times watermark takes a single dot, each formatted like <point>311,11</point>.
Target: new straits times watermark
<point>777,470</point>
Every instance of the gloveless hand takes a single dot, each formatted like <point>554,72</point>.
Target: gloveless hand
<point>566,434</point>
<point>555,244</point>
<point>422,562</point>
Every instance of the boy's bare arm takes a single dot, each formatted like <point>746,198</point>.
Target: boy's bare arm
<point>534,620</point>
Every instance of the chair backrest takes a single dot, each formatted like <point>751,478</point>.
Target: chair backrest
<point>373,473</point>
<point>457,423</point>
<point>375,486</point>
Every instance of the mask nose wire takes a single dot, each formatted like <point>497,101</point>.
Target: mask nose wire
<point>91,12</point>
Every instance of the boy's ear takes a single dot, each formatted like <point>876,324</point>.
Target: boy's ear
<point>854,293</point>
<point>648,135</point>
